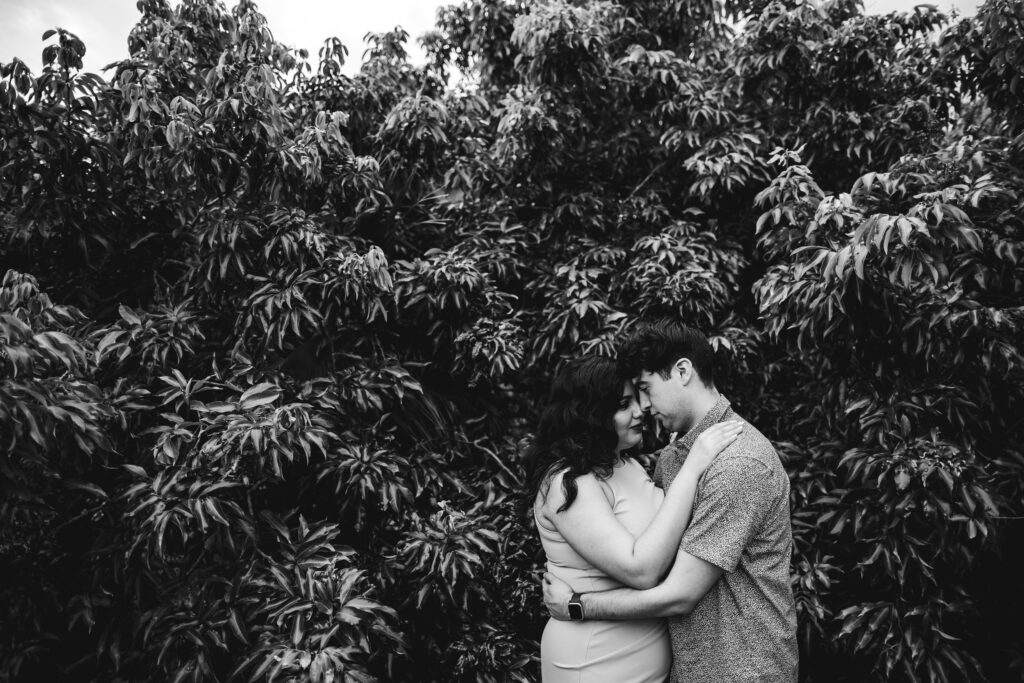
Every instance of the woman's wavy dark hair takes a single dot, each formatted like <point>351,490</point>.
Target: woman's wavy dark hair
<point>575,430</point>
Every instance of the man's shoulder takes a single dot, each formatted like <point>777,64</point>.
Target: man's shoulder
<point>735,467</point>
<point>746,461</point>
<point>751,443</point>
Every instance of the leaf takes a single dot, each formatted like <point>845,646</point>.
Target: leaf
<point>219,407</point>
<point>236,626</point>
<point>108,339</point>
<point>128,315</point>
<point>61,347</point>
<point>86,486</point>
<point>259,395</point>
<point>844,256</point>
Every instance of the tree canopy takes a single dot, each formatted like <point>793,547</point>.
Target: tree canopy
<point>271,334</point>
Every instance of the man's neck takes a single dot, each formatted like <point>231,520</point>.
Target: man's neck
<point>702,405</point>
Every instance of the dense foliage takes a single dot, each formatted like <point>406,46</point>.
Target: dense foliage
<point>270,334</point>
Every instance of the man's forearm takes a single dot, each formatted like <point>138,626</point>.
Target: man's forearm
<point>688,581</point>
<point>629,603</point>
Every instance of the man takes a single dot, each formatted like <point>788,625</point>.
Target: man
<point>728,598</point>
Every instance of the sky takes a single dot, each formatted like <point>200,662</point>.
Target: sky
<point>103,25</point>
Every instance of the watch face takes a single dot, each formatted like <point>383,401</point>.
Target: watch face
<point>575,611</point>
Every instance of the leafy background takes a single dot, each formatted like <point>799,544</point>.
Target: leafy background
<point>270,334</point>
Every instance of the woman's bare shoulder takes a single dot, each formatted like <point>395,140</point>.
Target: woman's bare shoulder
<point>588,486</point>
<point>552,496</point>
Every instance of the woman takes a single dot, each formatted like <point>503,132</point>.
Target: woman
<point>602,521</point>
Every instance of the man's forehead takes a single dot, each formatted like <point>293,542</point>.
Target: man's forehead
<point>645,376</point>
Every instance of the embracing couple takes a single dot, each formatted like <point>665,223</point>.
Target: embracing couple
<point>706,544</point>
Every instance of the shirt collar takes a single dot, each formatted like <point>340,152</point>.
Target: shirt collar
<point>713,416</point>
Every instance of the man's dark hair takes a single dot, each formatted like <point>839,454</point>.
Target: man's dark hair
<point>655,345</point>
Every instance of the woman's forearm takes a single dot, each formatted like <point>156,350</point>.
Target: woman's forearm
<point>654,550</point>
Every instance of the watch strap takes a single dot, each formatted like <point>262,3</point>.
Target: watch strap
<point>576,607</point>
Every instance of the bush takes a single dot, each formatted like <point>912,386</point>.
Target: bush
<point>270,428</point>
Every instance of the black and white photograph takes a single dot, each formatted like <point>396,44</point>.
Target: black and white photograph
<point>511,341</point>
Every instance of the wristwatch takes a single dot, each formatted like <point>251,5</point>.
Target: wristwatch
<point>576,608</point>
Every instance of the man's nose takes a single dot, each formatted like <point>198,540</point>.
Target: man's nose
<point>645,404</point>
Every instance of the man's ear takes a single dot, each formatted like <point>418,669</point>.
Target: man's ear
<point>685,368</point>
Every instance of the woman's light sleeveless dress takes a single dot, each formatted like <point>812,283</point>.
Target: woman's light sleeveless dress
<point>636,651</point>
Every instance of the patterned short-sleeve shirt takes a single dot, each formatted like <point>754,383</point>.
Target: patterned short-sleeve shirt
<point>744,629</point>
